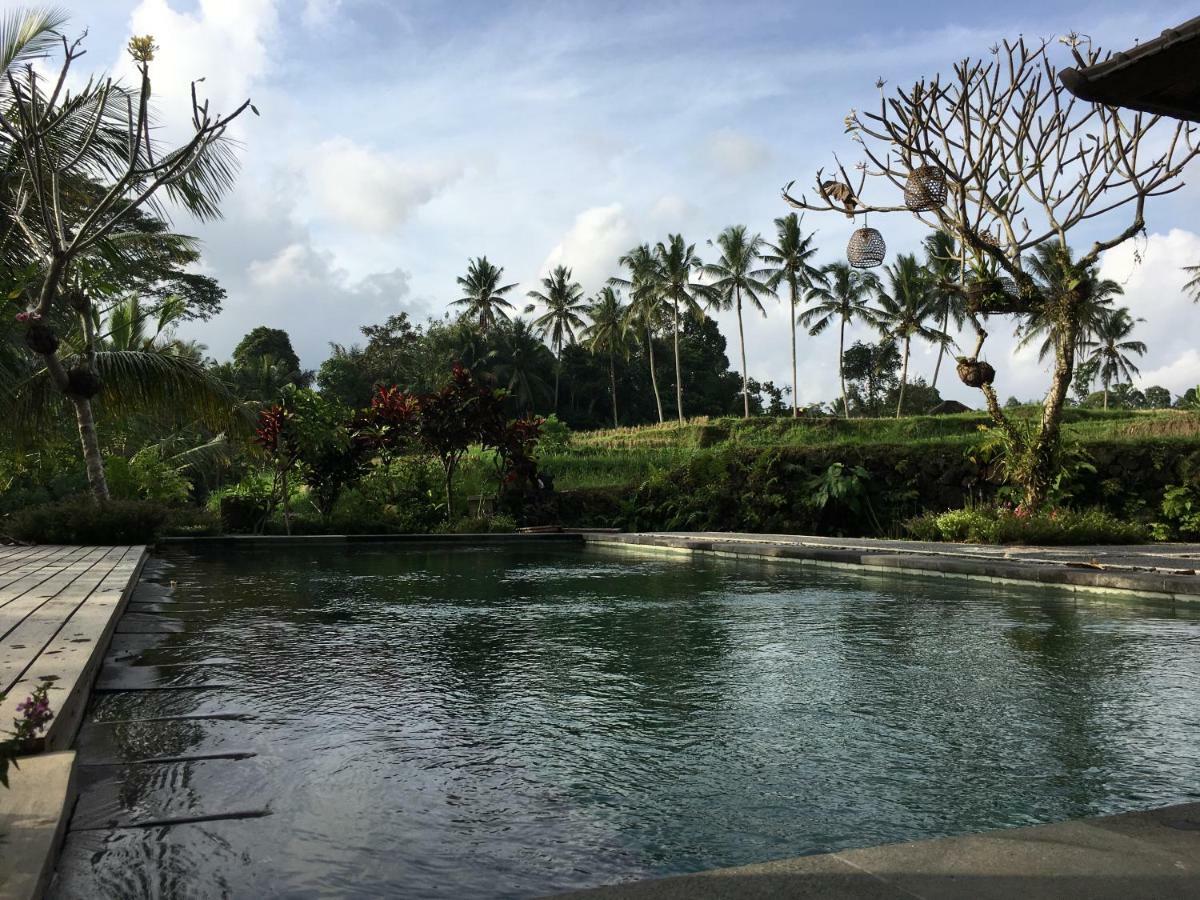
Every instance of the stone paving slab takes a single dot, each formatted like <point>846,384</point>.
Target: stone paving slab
<point>1152,855</point>
<point>1159,571</point>
<point>33,813</point>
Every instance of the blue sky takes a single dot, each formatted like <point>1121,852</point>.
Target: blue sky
<point>397,139</point>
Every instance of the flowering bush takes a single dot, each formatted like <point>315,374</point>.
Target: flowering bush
<point>35,715</point>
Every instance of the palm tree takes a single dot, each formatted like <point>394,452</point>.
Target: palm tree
<point>904,307</point>
<point>842,294</point>
<point>735,277</point>
<point>563,299</point>
<point>1110,346</point>
<point>645,309</point>
<point>1058,278</point>
<point>484,300</point>
<point>521,356</point>
<point>789,258</point>
<point>677,262</point>
<point>608,333</point>
<point>1193,285</point>
<point>944,265</point>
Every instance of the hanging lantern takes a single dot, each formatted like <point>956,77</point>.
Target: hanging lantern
<point>925,189</point>
<point>83,383</point>
<point>974,373</point>
<point>866,249</point>
<point>40,338</point>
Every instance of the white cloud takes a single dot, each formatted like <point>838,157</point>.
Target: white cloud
<point>672,211</point>
<point>225,43</point>
<point>736,154</point>
<point>592,245</point>
<point>319,12</point>
<point>1151,272</point>
<point>368,189</point>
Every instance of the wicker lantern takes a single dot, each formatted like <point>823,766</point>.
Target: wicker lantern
<point>83,383</point>
<point>866,249</point>
<point>974,373</point>
<point>925,189</point>
<point>40,338</point>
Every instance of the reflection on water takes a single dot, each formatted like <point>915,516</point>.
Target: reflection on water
<point>509,722</point>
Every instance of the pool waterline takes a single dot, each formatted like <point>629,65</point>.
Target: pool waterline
<point>519,720</point>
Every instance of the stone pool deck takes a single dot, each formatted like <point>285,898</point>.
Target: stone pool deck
<point>58,609</point>
<point>1169,572</point>
<point>1135,856</point>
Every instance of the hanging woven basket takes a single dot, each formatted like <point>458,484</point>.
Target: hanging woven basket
<point>974,373</point>
<point>40,338</point>
<point>993,295</point>
<point>866,249</point>
<point>82,382</point>
<point>925,189</point>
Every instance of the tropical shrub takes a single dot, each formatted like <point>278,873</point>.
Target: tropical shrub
<point>84,520</point>
<point>1180,513</point>
<point>1004,525</point>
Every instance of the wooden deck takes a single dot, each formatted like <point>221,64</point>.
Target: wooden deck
<point>58,608</point>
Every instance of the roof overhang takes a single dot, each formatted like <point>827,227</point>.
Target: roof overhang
<point>1161,76</point>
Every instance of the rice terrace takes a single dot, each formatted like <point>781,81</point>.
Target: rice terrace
<point>608,451</point>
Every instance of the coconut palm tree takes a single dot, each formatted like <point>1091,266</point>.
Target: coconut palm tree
<point>645,310</point>
<point>734,278</point>
<point>789,258</point>
<point>1059,278</point>
<point>905,305</point>
<point>608,333</point>
<point>520,358</point>
<point>483,301</point>
<point>677,262</point>
<point>842,294</point>
<point>1110,349</point>
<point>563,299</point>
<point>944,265</point>
<point>1193,285</point>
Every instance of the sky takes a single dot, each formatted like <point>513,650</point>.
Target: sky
<point>398,139</point>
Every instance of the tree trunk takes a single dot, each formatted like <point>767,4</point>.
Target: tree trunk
<point>1044,452</point>
<point>745,370</point>
<point>612,382</point>
<point>903,376</point>
<point>1106,396</point>
<point>795,380</point>
<point>942,349</point>
<point>90,442</point>
<point>557,373</point>
<point>449,470</point>
<point>653,375</point>
<point>678,370</point>
<point>842,367</point>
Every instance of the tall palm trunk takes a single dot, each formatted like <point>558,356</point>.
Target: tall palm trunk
<point>903,376</point>
<point>745,371</point>
<point>1106,394</point>
<point>557,373</point>
<point>90,442</point>
<point>942,349</point>
<point>842,366</point>
<point>795,379</point>
<point>612,383</point>
<point>678,369</point>
<point>653,374</point>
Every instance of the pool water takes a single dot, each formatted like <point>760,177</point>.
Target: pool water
<point>514,721</point>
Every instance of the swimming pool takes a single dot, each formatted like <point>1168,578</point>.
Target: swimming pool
<point>513,721</point>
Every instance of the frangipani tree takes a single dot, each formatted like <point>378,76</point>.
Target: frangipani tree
<point>78,166</point>
<point>1001,156</point>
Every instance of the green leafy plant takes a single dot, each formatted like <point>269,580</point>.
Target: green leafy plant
<point>80,520</point>
<point>1180,513</point>
<point>1006,525</point>
<point>35,716</point>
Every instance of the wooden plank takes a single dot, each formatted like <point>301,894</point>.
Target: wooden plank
<point>70,661</point>
<point>12,557</point>
<point>17,609</point>
<point>27,625</point>
<point>26,579</point>
<point>33,821</point>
